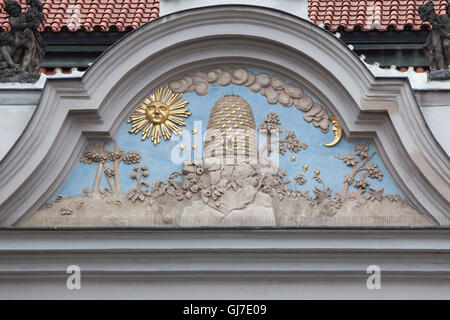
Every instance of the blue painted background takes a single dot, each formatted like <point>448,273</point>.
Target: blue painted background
<point>158,158</point>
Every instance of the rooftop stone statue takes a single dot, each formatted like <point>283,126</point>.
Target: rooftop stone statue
<point>437,45</point>
<point>22,48</point>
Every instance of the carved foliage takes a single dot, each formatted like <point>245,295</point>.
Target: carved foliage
<point>363,168</point>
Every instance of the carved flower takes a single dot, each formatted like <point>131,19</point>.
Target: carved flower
<point>374,172</point>
<point>292,143</point>
<point>349,160</point>
<point>266,189</point>
<point>375,194</point>
<point>362,150</point>
<point>195,188</point>
<point>300,179</point>
<point>362,182</point>
<point>206,194</point>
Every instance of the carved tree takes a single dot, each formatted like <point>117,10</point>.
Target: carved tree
<point>364,169</point>
<point>137,193</point>
<point>291,142</point>
<point>100,154</point>
<point>117,156</point>
<point>96,153</point>
<point>270,127</point>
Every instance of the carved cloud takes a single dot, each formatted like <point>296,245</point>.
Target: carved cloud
<point>273,88</point>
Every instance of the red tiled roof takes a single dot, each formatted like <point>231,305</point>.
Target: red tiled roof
<point>91,15</point>
<point>370,15</point>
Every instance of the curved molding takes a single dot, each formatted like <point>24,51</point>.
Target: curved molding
<point>74,110</point>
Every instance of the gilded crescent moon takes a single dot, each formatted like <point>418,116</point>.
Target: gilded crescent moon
<point>337,130</point>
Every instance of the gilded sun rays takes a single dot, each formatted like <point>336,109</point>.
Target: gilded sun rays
<point>160,115</point>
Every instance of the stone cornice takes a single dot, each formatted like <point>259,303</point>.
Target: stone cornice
<point>239,254</point>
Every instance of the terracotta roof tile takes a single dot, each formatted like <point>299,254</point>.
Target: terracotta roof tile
<point>91,15</point>
<point>368,15</point>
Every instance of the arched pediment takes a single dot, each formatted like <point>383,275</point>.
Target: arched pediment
<point>96,107</point>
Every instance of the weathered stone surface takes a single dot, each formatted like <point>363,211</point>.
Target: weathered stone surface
<point>17,75</point>
<point>440,75</point>
<point>233,200</point>
<point>200,214</point>
<point>22,49</point>
<point>259,213</point>
<point>437,45</point>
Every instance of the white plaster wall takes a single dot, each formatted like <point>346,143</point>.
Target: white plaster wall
<point>17,105</point>
<point>296,7</point>
<point>437,119</point>
<point>13,120</point>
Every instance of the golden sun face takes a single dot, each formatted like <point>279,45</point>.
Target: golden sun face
<point>157,112</point>
<point>160,114</point>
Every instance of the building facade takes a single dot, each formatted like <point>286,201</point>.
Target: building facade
<point>257,141</point>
